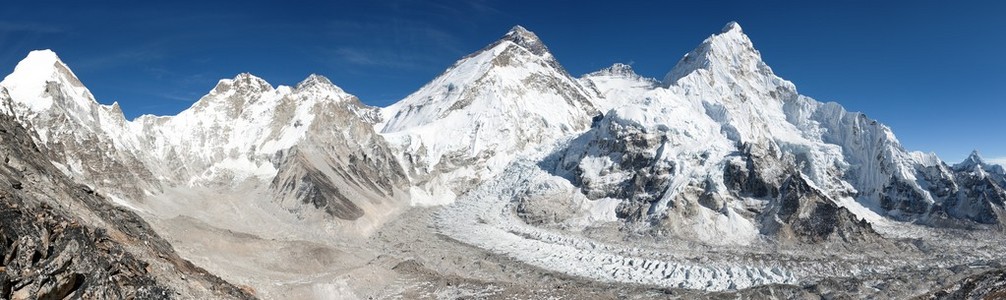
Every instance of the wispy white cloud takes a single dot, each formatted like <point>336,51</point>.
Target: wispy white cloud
<point>998,160</point>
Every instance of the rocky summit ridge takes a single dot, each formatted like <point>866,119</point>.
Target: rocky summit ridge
<point>721,152</point>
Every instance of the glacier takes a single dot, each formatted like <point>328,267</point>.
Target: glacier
<point>719,177</point>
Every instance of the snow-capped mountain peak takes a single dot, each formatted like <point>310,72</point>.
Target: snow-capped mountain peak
<point>27,84</point>
<point>244,82</point>
<point>318,82</point>
<point>617,85</point>
<point>730,50</point>
<point>509,97</point>
<point>617,69</point>
<point>527,39</point>
<point>722,102</point>
<point>518,59</point>
<point>70,125</point>
<point>976,164</point>
<point>39,65</point>
<point>974,159</point>
<point>732,26</point>
<point>231,97</point>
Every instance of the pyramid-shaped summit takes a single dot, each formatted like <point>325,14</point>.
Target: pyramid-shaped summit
<point>732,26</point>
<point>527,39</point>
<point>517,61</point>
<point>974,159</point>
<point>727,158</point>
<point>729,51</point>
<point>489,106</point>
<point>27,84</point>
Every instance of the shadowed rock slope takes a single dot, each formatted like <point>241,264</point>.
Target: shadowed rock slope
<point>62,240</point>
<point>988,285</point>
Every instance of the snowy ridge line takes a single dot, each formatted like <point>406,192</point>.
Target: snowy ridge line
<point>479,219</point>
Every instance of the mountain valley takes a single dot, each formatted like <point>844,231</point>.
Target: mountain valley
<point>504,177</point>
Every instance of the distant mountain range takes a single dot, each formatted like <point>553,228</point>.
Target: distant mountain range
<point>720,151</point>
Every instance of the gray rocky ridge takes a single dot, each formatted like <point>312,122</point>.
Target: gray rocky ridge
<point>504,176</point>
<point>61,240</point>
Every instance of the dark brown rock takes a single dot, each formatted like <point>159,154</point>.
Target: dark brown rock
<point>59,240</point>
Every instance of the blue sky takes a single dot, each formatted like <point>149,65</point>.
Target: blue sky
<point>932,70</point>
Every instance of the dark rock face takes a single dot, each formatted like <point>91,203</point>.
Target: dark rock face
<point>520,36</point>
<point>988,285</point>
<point>318,190</point>
<point>747,179</point>
<point>803,213</point>
<point>981,194</point>
<point>971,191</point>
<point>47,255</point>
<point>341,168</point>
<point>980,199</point>
<point>632,170</point>
<point>898,196</point>
<point>68,139</point>
<point>312,186</point>
<point>61,240</point>
<point>628,148</point>
<point>940,179</point>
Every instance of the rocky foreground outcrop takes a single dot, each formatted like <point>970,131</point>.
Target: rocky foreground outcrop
<point>988,285</point>
<point>61,240</point>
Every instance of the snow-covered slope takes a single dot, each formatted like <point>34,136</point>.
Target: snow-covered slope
<point>342,167</point>
<point>85,140</point>
<point>245,129</point>
<point>977,191</point>
<point>471,121</point>
<point>616,85</point>
<point>237,130</point>
<point>713,151</point>
<point>558,172</point>
<point>976,164</point>
<point>710,150</point>
<point>244,132</point>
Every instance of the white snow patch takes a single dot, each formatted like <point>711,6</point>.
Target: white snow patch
<point>121,202</point>
<point>430,197</point>
<point>27,83</point>
<point>602,210</point>
<point>240,169</point>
